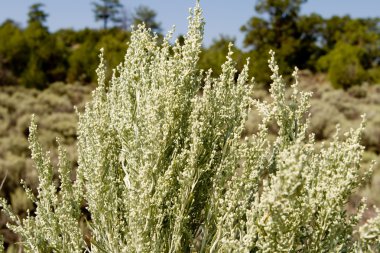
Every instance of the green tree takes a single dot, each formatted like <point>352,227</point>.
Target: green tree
<point>47,55</point>
<point>82,62</point>
<point>278,28</point>
<point>144,14</point>
<point>362,32</point>
<point>36,14</point>
<point>34,76</point>
<point>334,29</point>
<point>283,17</point>
<point>310,28</point>
<point>283,29</point>
<point>214,56</point>
<point>13,52</point>
<point>114,43</point>
<point>83,58</point>
<point>343,65</point>
<point>108,10</point>
<point>352,50</point>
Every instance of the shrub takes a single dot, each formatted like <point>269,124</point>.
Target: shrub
<point>15,144</point>
<point>163,167</point>
<point>215,55</point>
<point>322,124</point>
<point>358,92</point>
<point>4,120</point>
<point>34,76</point>
<point>13,52</point>
<point>7,103</point>
<point>61,123</point>
<point>19,201</point>
<point>12,167</point>
<point>374,75</point>
<point>371,136</point>
<point>344,66</point>
<point>55,102</point>
<point>81,63</point>
<point>7,77</point>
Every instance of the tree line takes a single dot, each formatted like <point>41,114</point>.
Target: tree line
<point>346,48</point>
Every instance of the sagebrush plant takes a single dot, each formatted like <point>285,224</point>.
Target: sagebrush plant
<point>163,165</point>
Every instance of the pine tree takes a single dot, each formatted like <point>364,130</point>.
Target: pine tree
<point>108,10</point>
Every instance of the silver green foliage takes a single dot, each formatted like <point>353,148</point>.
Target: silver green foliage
<point>163,166</point>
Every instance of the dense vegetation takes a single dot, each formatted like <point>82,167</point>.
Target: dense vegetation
<point>54,108</point>
<point>36,64</point>
<point>346,48</point>
<point>166,162</point>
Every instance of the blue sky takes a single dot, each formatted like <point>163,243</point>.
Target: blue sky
<point>222,16</point>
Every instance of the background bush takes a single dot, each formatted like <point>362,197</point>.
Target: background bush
<point>344,66</point>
